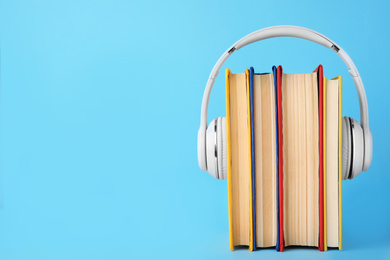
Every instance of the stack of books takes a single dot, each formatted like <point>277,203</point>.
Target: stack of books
<point>284,159</point>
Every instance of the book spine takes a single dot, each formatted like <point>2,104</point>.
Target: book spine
<point>252,134</point>
<point>274,70</point>
<point>320,170</point>
<point>280,163</point>
<point>324,166</point>
<point>251,244</point>
<point>229,161</point>
<point>340,163</point>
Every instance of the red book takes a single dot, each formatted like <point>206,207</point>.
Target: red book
<point>279,73</point>
<point>320,78</point>
<point>319,71</point>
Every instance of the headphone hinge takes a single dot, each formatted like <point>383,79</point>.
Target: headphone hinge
<point>335,48</point>
<point>231,50</point>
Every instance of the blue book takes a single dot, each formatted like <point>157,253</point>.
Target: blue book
<point>277,160</point>
<point>251,73</point>
<point>251,100</point>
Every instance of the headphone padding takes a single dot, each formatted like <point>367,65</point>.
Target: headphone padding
<point>210,149</point>
<point>219,148</point>
<point>224,150</point>
<point>358,148</point>
<point>346,137</point>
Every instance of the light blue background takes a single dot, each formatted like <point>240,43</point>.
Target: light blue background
<point>100,108</point>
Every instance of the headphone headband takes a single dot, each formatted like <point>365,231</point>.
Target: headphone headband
<point>272,32</point>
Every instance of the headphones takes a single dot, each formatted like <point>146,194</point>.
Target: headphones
<point>356,139</point>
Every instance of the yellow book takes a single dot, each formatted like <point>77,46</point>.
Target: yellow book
<point>333,162</point>
<point>239,159</point>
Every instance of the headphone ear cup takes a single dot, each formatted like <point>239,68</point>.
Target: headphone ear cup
<point>211,139</point>
<point>357,148</point>
<point>347,150</point>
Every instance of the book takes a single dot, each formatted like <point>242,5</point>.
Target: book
<point>274,71</point>
<point>333,108</point>
<point>253,161</point>
<point>239,159</point>
<point>284,159</point>
<point>320,80</point>
<point>264,162</point>
<point>300,199</point>
<point>279,72</point>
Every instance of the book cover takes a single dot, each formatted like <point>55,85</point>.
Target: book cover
<point>229,160</point>
<point>340,162</point>
<point>274,71</point>
<point>324,161</point>
<point>319,71</point>
<point>251,73</point>
<point>331,148</point>
<point>280,154</point>
<point>251,182</point>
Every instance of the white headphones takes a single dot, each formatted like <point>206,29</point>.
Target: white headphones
<point>357,139</point>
